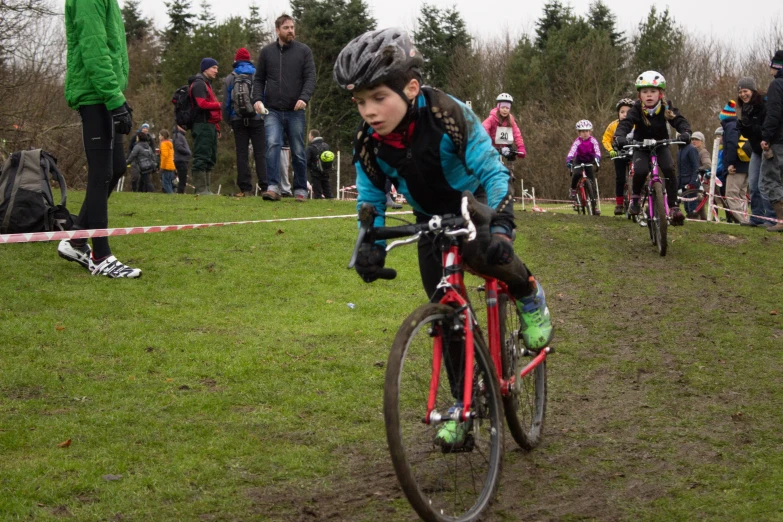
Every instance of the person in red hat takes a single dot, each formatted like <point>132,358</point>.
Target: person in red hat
<point>248,126</point>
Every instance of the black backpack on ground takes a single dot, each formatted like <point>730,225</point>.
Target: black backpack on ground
<point>242,96</point>
<point>26,199</point>
<point>184,111</point>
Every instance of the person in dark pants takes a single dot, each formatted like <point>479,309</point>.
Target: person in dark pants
<point>206,126</point>
<point>181,156</point>
<point>319,163</point>
<point>135,174</point>
<point>248,126</point>
<point>96,76</point>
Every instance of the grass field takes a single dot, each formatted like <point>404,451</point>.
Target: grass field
<point>234,382</point>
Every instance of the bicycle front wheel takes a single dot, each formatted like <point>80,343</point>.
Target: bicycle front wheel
<point>659,221</point>
<point>525,404</point>
<point>590,197</point>
<point>451,480</point>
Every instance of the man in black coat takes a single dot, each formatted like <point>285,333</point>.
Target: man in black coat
<point>772,142</point>
<point>283,84</point>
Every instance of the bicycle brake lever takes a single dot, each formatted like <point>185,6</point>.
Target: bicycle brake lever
<point>359,241</point>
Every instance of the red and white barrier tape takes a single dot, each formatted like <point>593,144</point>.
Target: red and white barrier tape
<point>112,232</point>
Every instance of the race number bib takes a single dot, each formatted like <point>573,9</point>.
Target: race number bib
<point>504,136</point>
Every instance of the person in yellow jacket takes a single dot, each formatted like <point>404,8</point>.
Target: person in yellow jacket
<point>620,165</point>
<point>168,172</point>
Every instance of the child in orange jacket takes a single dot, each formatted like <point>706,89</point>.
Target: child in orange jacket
<point>167,169</point>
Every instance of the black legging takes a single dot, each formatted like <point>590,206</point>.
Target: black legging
<point>578,174</point>
<point>105,166</point>
<point>620,170</point>
<point>641,167</point>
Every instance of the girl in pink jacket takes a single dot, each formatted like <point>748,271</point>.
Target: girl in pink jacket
<point>503,130</point>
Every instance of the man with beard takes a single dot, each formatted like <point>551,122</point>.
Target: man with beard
<point>283,84</point>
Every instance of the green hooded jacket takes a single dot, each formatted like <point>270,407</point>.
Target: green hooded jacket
<point>97,58</point>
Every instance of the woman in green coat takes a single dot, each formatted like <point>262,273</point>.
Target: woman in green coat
<point>96,76</point>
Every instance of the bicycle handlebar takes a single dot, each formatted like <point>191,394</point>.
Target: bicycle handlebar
<point>449,224</point>
<point>652,144</point>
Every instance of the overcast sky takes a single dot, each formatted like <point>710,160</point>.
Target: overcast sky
<point>737,20</point>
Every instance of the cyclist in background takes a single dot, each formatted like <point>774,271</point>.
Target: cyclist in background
<point>433,148</point>
<point>648,118</point>
<point>584,150</point>
<point>620,165</point>
<point>503,129</point>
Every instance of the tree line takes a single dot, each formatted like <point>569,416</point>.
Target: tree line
<point>572,66</point>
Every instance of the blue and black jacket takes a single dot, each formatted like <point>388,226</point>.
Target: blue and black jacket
<point>444,151</point>
<point>240,67</point>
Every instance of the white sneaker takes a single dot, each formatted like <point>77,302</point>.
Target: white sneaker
<point>79,255</point>
<point>110,267</point>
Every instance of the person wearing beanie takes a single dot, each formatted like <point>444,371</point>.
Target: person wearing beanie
<point>283,85</point>
<point>248,125</point>
<point>735,163</point>
<point>772,142</point>
<point>136,185</point>
<point>206,125</point>
<point>752,111</point>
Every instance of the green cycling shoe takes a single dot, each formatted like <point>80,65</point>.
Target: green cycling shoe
<point>536,328</point>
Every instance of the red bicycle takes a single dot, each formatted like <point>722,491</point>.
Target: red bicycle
<point>585,192</point>
<point>440,370</point>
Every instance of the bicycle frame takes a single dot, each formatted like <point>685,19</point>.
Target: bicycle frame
<point>580,186</point>
<point>654,178</point>
<point>456,295</point>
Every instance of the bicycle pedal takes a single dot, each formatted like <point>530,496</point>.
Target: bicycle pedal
<point>466,447</point>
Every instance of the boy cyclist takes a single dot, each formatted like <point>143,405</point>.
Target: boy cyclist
<point>433,148</point>
<point>648,119</point>
<point>620,165</point>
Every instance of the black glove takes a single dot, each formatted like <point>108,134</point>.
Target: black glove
<point>686,137</point>
<point>369,261</point>
<point>569,166</point>
<point>500,250</point>
<point>620,142</point>
<point>123,121</point>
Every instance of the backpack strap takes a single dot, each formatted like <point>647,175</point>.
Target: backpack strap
<point>49,165</point>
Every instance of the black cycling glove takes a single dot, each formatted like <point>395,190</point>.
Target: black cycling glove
<point>369,261</point>
<point>123,121</point>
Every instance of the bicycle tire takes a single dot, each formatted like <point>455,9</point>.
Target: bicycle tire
<point>441,484</point>
<point>659,219</point>
<point>590,193</point>
<point>525,405</point>
<point>579,209</point>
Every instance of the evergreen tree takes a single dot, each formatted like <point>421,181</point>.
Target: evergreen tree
<point>555,16</point>
<point>439,37</point>
<point>326,26</point>
<point>601,18</point>
<point>660,38</point>
<point>180,20</point>
<point>136,26</point>
<point>255,28</point>
<point>205,16</point>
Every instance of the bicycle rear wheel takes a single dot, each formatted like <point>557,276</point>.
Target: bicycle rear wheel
<point>659,221</point>
<point>442,482</point>
<point>525,405</point>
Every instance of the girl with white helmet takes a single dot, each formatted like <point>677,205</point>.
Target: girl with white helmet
<point>648,118</point>
<point>585,150</point>
<point>503,129</point>
<point>620,165</point>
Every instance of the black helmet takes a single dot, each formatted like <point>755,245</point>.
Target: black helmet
<point>374,57</point>
<point>625,102</point>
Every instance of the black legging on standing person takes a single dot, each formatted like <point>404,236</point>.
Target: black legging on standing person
<point>577,174</point>
<point>105,166</point>
<point>182,174</point>
<point>641,167</point>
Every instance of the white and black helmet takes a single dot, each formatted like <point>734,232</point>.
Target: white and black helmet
<point>504,97</point>
<point>584,125</point>
<point>374,57</point>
